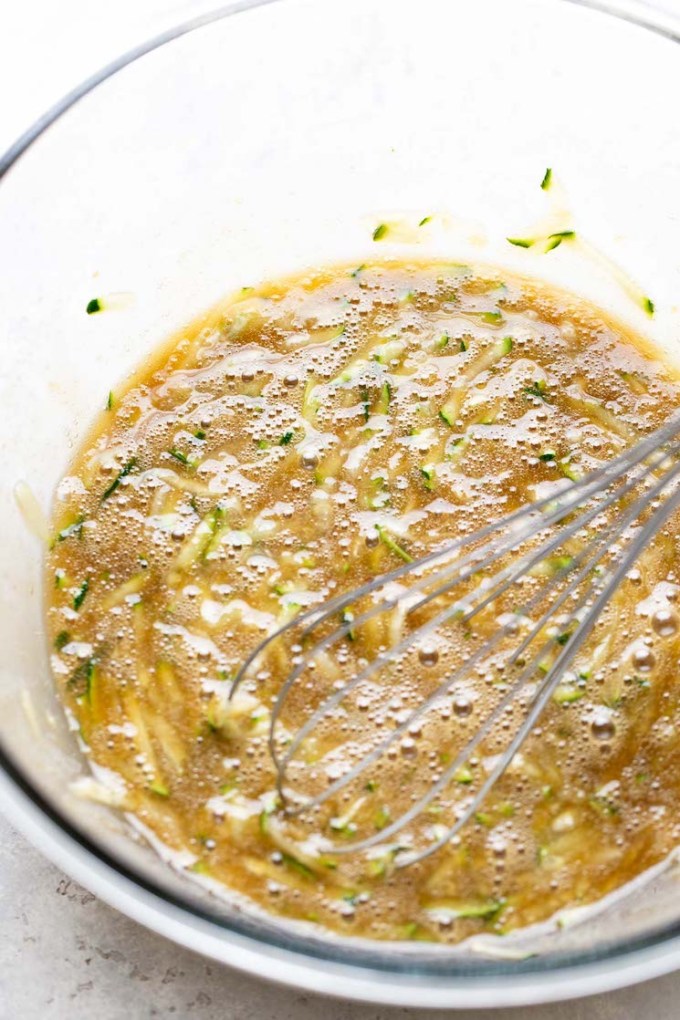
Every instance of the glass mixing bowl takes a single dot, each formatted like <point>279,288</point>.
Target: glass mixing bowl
<point>255,140</point>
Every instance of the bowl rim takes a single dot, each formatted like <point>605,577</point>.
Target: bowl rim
<point>103,876</point>
<point>286,958</point>
<point>648,17</point>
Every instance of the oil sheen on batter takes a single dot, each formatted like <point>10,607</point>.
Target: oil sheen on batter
<point>300,439</point>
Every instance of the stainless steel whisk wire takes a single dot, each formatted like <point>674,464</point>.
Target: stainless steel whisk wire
<point>507,577</point>
<point>649,455</point>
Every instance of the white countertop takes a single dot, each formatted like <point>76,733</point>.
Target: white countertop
<point>62,952</point>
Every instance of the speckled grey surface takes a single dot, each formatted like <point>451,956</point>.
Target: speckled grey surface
<point>64,954</point>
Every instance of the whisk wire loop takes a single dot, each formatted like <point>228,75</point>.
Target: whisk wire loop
<point>601,513</point>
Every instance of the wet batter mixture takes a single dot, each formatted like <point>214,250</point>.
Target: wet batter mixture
<point>304,437</point>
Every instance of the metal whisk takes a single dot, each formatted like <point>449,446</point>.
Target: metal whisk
<point>605,520</point>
